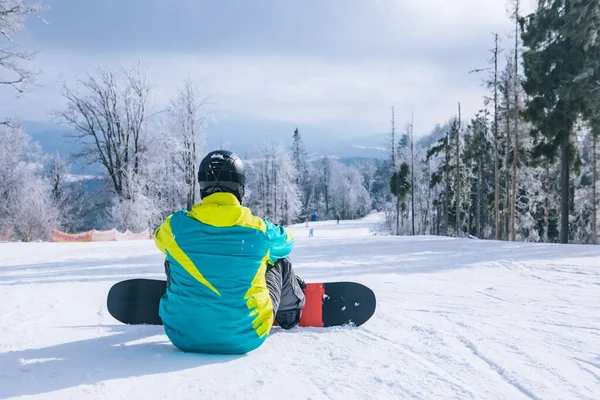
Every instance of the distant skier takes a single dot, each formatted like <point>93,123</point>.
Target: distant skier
<point>311,232</point>
<point>228,272</point>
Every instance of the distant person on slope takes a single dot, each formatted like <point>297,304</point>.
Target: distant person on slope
<point>227,270</point>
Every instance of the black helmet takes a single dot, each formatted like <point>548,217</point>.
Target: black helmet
<point>222,171</point>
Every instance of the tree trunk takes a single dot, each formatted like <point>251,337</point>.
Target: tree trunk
<point>547,204</point>
<point>516,82</point>
<point>507,166</point>
<point>594,177</point>
<point>514,187</point>
<point>393,141</point>
<point>189,171</point>
<point>496,155</point>
<point>412,174</point>
<point>425,220</point>
<point>447,193</point>
<point>564,189</point>
<point>478,212</point>
<point>397,215</point>
<point>469,220</point>
<point>458,210</point>
<point>439,216</point>
<point>401,217</point>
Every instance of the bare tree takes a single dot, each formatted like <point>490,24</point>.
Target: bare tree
<point>516,83</point>
<point>393,168</point>
<point>109,117</point>
<point>496,144</point>
<point>458,175</point>
<point>393,141</point>
<point>67,194</point>
<point>327,165</point>
<point>272,191</point>
<point>369,170</point>
<point>12,73</point>
<point>412,169</point>
<point>494,84</point>
<point>188,130</point>
<point>595,134</point>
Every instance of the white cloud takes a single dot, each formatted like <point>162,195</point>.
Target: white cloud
<point>346,76</point>
<point>350,97</point>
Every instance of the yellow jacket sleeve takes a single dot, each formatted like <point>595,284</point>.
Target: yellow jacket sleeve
<point>163,235</point>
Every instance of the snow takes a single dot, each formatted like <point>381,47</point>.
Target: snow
<point>358,146</point>
<point>70,178</point>
<point>456,318</point>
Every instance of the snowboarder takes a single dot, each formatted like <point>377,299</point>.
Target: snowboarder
<point>228,271</point>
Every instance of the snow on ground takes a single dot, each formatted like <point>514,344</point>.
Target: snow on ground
<point>456,318</point>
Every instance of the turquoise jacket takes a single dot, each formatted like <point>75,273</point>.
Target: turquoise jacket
<point>217,300</point>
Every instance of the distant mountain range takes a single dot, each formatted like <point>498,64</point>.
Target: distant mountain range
<point>242,136</point>
<point>245,136</point>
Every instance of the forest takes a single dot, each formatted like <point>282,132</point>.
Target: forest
<point>523,168</point>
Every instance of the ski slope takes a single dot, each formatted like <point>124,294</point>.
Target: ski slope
<point>456,319</point>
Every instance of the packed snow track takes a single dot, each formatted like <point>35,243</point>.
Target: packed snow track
<point>455,319</point>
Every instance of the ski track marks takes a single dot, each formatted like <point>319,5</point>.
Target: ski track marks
<point>455,319</point>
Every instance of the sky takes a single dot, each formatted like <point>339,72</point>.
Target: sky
<point>338,65</point>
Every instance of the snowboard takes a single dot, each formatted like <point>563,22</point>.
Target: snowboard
<point>136,302</point>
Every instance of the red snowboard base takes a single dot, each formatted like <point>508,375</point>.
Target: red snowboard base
<point>336,304</point>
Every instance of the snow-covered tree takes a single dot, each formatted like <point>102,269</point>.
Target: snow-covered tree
<point>272,191</point>
<point>400,187</point>
<point>26,208</point>
<point>35,214</point>
<point>562,49</point>
<point>12,18</point>
<point>164,181</point>
<point>349,198</point>
<point>440,154</point>
<point>109,113</point>
<point>67,192</point>
<point>368,170</point>
<point>301,165</point>
<point>188,136</point>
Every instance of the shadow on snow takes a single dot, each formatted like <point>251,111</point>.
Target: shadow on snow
<point>89,361</point>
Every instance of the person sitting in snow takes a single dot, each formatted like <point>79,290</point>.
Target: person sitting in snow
<point>228,272</point>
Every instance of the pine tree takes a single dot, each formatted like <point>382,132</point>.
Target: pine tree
<point>442,177</point>
<point>410,138</point>
<point>556,56</point>
<point>393,141</point>
<point>400,186</point>
<point>586,27</point>
<point>456,134</point>
<point>493,83</point>
<point>479,155</point>
<point>299,156</point>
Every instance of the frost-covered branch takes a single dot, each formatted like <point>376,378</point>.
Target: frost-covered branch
<point>12,17</point>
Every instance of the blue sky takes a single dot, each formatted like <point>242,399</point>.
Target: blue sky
<point>335,64</point>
